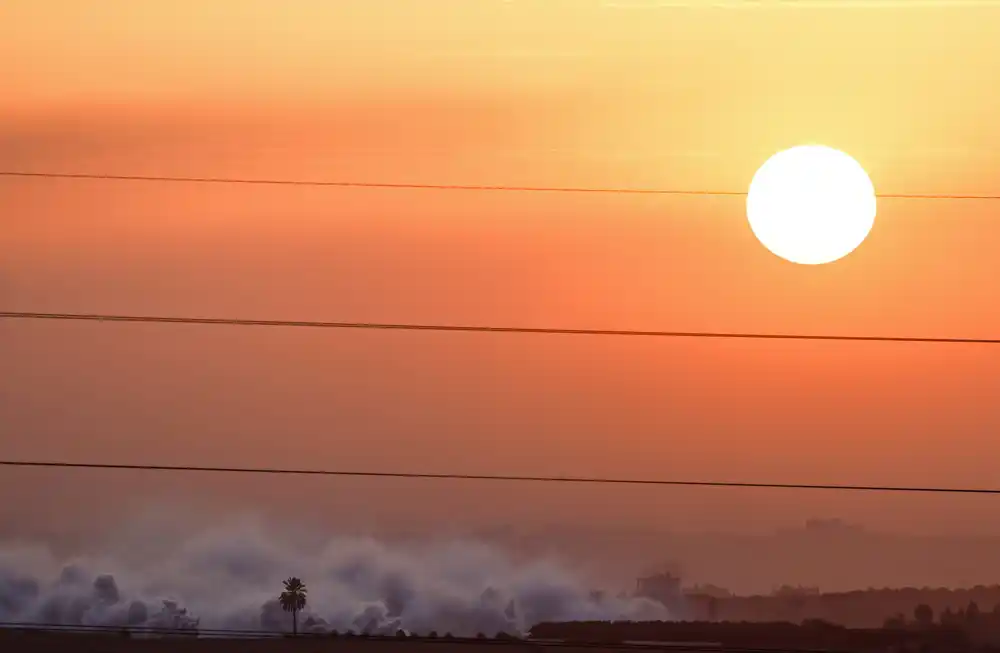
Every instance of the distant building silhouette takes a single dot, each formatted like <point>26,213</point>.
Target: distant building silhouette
<point>664,588</point>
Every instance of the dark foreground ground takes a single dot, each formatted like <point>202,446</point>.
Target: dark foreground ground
<point>47,642</point>
<point>583,637</point>
<point>786,636</point>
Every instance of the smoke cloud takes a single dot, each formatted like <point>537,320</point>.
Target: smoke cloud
<point>230,578</point>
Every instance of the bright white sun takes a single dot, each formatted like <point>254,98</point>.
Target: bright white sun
<point>811,204</point>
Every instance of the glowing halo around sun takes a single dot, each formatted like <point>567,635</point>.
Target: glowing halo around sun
<point>811,204</point>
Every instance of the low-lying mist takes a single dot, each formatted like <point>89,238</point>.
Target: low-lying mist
<point>229,578</point>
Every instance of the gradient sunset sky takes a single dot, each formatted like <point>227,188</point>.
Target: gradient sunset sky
<point>522,92</point>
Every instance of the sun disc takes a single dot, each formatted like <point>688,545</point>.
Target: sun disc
<point>811,204</point>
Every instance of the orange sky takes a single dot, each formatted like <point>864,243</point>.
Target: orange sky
<point>545,92</point>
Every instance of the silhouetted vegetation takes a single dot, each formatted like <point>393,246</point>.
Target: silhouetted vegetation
<point>923,615</point>
<point>910,636</point>
<point>937,619</point>
<point>293,599</point>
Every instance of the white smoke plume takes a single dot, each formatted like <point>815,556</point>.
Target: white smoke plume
<point>230,579</point>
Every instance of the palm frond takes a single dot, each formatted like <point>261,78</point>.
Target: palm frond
<point>293,598</point>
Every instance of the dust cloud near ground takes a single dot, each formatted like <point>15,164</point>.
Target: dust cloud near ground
<point>228,577</point>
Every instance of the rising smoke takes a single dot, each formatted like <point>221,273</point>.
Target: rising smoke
<point>230,578</point>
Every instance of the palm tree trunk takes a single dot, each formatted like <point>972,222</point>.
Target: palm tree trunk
<point>295,622</point>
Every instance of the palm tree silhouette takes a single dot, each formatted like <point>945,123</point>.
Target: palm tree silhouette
<point>293,599</point>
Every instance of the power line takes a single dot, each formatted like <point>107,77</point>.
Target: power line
<point>361,184</point>
<point>499,477</point>
<point>366,184</point>
<point>453,328</point>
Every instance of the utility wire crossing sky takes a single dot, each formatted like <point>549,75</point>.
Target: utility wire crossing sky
<point>372,184</point>
<point>499,477</point>
<point>158,319</point>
